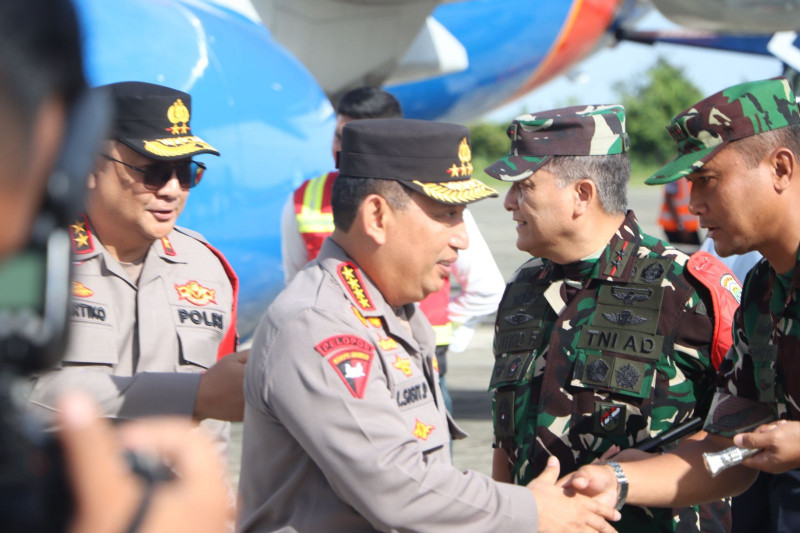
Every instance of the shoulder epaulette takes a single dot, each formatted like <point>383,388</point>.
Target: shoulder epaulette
<point>81,235</point>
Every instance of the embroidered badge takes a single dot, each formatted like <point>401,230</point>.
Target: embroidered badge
<point>168,249</point>
<point>195,293</point>
<point>465,157</point>
<point>81,236</point>
<point>344,342</point>
<point>610,416</point>
<point>625,318</point>
<point>422,431</point>
<point>402,364</point>
<point>652,272</point>
<point>513,367</point>
<point>352,279</point>
<point>732,286</point>
<point>503,413</point>
<point>387,344</point>
<point>597,370</point>
<point>631,295</point>
<point>627,376</point>
<point>353,369</point>
<point>178,114</point>
<point>80,290</point>
<point>519,318</point>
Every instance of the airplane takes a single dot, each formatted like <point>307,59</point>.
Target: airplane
<point>262,76</point>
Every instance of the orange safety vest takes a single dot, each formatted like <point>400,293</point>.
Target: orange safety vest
<point>312,207</point>
<point>726,295</point>
<point>689,221</point>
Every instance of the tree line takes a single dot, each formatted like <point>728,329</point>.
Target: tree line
<point>650,101</point>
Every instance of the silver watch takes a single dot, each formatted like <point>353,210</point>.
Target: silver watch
<point>622,484</point>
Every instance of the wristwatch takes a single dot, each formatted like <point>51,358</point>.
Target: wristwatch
<point>622,484</point>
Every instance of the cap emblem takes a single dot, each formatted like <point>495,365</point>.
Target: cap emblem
<point>465,156</point>
<point>178,114</point>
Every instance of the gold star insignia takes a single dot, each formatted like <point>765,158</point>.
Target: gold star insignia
<point>402,364</point>
<point>82,240</point>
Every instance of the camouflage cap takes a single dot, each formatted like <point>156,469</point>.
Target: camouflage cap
<point>731,114</point>
<point>576,130</point>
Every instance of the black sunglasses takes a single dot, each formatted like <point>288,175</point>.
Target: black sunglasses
<point>189,173</point>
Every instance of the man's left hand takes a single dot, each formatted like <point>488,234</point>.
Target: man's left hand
<point>779,443</point>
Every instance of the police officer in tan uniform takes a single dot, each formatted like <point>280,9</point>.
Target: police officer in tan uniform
<point>345,427</point>
<point>154,306</point>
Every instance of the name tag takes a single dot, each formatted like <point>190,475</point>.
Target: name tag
<point>200,318</point>
<point>621,341</point>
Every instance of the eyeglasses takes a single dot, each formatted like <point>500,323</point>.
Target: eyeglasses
<point>189,173</point>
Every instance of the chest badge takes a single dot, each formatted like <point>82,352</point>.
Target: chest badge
<point>422,431</point>
<point>388,344</point>
<point>195,293</point>
<point>609,419</point>
<point>80,290</point>
<point>402,364</point>
<point>353,369</point>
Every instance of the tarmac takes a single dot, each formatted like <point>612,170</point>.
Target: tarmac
<point>468,372</point>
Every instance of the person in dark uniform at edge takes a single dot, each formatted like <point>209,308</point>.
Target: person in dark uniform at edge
<point>41,79</point>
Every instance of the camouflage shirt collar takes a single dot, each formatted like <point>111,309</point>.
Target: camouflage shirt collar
<point>615,262</point>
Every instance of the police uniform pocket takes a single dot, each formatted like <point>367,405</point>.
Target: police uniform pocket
<point>198,348</point>
<point>91,344</point>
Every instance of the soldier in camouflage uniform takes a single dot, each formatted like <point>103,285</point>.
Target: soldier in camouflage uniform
<point>605,337</point>
<point>740,148</point>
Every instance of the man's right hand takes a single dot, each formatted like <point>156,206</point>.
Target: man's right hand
<point>596,481</point>
<point>221,391</point>
<point>564,510</point>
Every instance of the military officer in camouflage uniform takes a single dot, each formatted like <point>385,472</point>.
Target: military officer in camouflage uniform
<point>345,427</point>
<point>740,148</point>
<point>605,337</point>
<point>154,306</point>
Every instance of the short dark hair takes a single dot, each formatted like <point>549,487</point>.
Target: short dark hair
<point>609,173</point>
<point>369,102</point>
<point>40,55</point>
<point>348,193</point>
<point>754,148</point>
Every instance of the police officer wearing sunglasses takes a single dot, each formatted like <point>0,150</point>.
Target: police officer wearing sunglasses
<point>154,305</point>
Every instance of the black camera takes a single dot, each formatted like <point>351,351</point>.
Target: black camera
<point>34,308</point>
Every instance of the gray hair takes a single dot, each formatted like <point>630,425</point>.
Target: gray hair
<point>609,173</point>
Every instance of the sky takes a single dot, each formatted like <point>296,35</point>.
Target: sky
<point>709,70</point>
